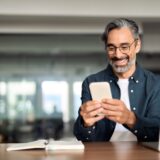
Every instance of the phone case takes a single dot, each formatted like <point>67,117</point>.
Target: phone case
<point>100,90</point>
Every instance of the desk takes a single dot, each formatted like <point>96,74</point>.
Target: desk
<point>93,151</point>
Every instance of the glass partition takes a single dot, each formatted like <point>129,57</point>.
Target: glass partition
<point>76,97</point>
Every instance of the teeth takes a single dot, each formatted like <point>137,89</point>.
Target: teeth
<point>121,61</point>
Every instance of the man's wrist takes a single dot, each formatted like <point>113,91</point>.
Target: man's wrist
<point>84,124</point>
<point>131,120</point>
<point>87,125</point>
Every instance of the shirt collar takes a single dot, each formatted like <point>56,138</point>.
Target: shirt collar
<point>138,74</point>
<point>111,74</point>
<point>136,77</point>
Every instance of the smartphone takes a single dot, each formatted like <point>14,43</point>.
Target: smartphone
<point>100,90</point>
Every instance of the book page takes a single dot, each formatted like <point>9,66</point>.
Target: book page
<point>39,144</point>
<point>65,145</point>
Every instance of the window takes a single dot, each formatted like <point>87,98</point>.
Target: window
<point>20,99</point>
<point>55,99</point>
<point>3,100</point>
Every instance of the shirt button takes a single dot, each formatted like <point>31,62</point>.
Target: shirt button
<point>131,90</point>
<point>134,108</point>
<point>89,132</point>
<point>135,131</point>
<point>87,138</point>
<point>110,81</point>
<point>137,81</point>
<point>145,137</point>
<point>131,77</point>
<point>93,127</point>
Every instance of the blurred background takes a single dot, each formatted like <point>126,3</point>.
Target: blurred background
<point>47,48</point>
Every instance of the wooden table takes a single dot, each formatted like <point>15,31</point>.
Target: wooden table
<point>93,151</point>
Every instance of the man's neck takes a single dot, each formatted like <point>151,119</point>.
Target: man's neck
<point>127,74</point>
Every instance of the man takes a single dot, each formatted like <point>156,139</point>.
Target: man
<point>134,111</point>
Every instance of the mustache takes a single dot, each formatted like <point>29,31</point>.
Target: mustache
<point>116,59</point>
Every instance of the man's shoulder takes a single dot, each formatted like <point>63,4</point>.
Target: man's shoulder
<point>153,78</point>
<point>151,75</point>
<point>98,76</point>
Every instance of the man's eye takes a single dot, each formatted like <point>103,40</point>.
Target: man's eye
<point>111,48</point>
<point>124,47</point>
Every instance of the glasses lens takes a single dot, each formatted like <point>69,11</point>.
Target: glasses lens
<point>124,49</point>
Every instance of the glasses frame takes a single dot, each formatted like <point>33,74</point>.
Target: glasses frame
<point>120,48</point>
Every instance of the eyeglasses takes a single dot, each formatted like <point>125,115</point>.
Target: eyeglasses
<point>124,48</point>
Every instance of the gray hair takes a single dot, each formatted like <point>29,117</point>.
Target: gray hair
<point>120,23</point>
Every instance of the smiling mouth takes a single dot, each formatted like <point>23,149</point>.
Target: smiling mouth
<point>120,61</point>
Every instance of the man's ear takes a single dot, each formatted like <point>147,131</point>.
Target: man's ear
<point>138,46</point>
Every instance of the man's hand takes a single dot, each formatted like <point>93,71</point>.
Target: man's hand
<point>117,111</point>
<point>91,112</point>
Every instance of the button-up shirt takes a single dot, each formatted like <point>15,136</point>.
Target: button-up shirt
<point>144,96</point>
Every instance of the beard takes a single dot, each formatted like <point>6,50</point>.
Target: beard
<point>122,69</point>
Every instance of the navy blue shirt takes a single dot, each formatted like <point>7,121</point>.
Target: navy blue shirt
<point>144,96</point>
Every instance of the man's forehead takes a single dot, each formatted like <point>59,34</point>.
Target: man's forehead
<point>120,44</point>
<point>120,35</point>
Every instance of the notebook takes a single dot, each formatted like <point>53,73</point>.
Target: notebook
<point>153,145</point>
<point>48,145</point>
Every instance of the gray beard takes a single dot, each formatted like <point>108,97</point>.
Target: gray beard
<point>123,69</point>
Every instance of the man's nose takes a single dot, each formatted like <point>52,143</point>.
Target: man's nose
<point>118,53</point>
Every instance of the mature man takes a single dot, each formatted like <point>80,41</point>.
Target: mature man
<point>134,111</point>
